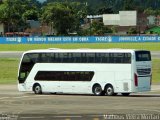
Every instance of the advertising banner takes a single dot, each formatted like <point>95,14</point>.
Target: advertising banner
<point>78,39</point>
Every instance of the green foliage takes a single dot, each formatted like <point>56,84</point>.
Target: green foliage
<point>30,15</point>
<point>65,16</point>
<point>60,15</point>
<point>149,11</point>
<point>128,5</point>
<point>114,29</point>
<point>11,13</point>
<point>132,31</point>
<point>93,6</point>
<point>154,30</point>
<point>98,28</point>
<point>104,10</point>
<point>3,13</point>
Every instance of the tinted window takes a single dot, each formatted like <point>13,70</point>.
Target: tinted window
<point>143,56</point>
<point>28,62</point>
<point>64,76</point>
<point>84,58</point>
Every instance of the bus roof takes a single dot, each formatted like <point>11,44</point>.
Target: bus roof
<point>57,50</point>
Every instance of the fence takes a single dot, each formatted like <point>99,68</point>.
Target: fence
<point>78,39</point>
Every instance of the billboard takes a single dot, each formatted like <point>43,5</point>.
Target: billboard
<point>78,39</point>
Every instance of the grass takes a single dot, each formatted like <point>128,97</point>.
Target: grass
<point>24,47</point>
<point>156,71</point>
<point>9,68</point>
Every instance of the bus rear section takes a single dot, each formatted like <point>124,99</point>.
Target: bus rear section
<point>143,71</point>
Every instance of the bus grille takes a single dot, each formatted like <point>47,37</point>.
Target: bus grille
<point>144,71</point>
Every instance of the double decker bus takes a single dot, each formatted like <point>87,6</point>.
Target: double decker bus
<point>85,71</point>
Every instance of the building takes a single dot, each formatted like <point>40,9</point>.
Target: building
<point>124,18</point>
<point>122,21</point>
<point>111,19</point>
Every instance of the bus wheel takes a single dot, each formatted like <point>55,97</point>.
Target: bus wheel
<point>125,94</point>
<point>109,90</point>
<point>97,90</point>
<point>37,89</point>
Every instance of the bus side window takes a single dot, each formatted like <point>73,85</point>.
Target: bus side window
<point>57,58</point>
<point>52,58</point>
<point>91,57</point>
<point>98,58</point>
<point>127,58</point>
<point>83,58</point>
<point>106,58</point>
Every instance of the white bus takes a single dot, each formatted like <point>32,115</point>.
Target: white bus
<point>85,71</point>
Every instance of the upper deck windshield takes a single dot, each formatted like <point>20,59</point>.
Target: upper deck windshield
<point>143,56</point>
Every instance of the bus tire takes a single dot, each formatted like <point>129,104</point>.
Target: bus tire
<point>97,90</point>
<point>125,94</point>
<point>109,90</point>
<point>37,89</point>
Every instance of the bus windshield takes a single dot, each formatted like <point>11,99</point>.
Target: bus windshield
<point>26,66</point>
<point>143,56</point>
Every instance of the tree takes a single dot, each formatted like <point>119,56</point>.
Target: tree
<point>105,10</point>
<point>114,29</point>
<point>98,28</point>
<point>11,13</point>
<point>30,15</point>
<point>132,31</point>
<point>128,5</point>
<point>149,11</point>
<point>64,16</point>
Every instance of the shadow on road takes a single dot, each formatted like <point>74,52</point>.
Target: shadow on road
<point>91,95</point>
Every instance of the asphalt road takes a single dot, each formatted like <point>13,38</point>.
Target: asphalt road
<point>18,54</point>
<point>76,107</point>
